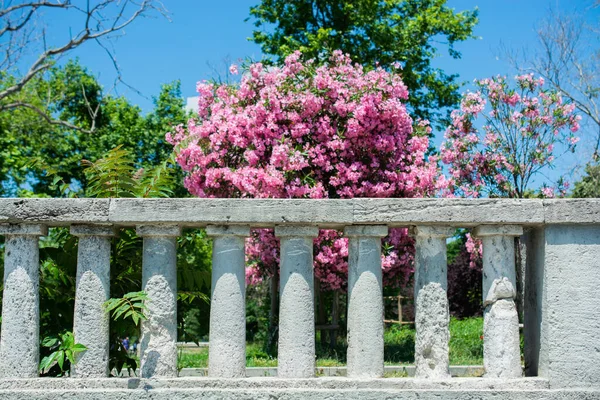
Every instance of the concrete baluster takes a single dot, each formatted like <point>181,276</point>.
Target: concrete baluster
<point>158,344</point>
<point>432,315</point>
<point>91,321</point>
<point>296,353</point>
<point>19,344</point>
<point>501,351</point>
<point>227,337</point>
<point>365,301</point>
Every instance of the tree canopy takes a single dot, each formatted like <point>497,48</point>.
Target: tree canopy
<point>371,32</point>
<point>31,146</point>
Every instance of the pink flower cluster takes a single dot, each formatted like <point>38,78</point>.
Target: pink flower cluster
<point>499,151</point>
<point>301,131</point>
<point>475,249</point>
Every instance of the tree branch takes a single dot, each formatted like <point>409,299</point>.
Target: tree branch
<point>116,23</point>
<point>46,117</point>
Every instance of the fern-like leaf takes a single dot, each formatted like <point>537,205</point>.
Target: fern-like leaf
<point>112,175</point>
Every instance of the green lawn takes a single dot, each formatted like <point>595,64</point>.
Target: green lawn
<point>466,348</point>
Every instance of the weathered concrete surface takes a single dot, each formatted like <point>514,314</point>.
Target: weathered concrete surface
<point>296,352</point>
<point>534,299</point>
<point>269,388</point>
<point>227,350</point>
<point>365,301</point>
<point>571,211</point>
<point>305,394</point>
<point>570,316</point>
<point>458,212</point>
<point>432,317</point>
<point>430,255</point>
<point>501,351</point>
<point>322,383</point>
<point>158,345</point>
<point>270,212</point>
<point>19,343</point>
<point>328,212</point>
<point>431,341</point>
<point>54,211</point>
<point>398,370</point>
<point>332,212</point>
<point>91,321</point>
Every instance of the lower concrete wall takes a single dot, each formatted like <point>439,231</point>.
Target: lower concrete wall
<point>289,389</point>
<point>569,354</point>
<point>462,371</point>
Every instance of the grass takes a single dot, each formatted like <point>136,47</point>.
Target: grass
<point>466,341</point>
<point>466,348</point>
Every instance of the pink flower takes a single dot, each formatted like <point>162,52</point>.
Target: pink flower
<point>233,69</point>
<point>548,192</point>
<point>517,139</point>
<point>299,131</point>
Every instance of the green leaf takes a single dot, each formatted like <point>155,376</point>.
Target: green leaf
<point>48,361</point>
<point>60,359</point>
<point>70,356</point>
<point>78,348</point>
<point>49,341</point>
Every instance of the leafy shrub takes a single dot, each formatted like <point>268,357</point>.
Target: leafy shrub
<point>399,342</point>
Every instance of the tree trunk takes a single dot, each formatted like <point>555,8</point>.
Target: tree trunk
<point>273,333</point>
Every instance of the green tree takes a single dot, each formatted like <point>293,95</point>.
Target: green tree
<point>589,185</point>
<point>372,31</point>
<point>32,146</point>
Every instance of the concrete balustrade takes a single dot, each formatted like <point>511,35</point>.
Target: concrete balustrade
<point>19,343</point>
<point>501,349</point>
<point>432,316</point>
<point>91,321</point>
<point>561,323</point>
<point>365,301</point>
<point>296,352</point>
<point>227,350</point>
<point>158,345</point>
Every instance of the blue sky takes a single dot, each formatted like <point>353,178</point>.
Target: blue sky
<point>204,36</point>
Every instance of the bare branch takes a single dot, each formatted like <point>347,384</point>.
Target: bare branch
<point>567,59</point>
<point>33,5</point>
<point>46,117</point>
<point>97,25</point>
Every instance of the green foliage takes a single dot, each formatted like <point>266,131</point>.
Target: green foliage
<point>589,185</point>
<point>399,343</point>
<point>58,266</point>
<point>43,159</point>
<point>125,310</point>
<point>384,32</point>
<point>258,301</point>
<point>455,246</point>
<point>466,341</point>
<point>38,159</point>
<point>466,348</point>
<point>194,268</point>
<point>114,175</point>
<point>131,305</point>
<point>63,352</point>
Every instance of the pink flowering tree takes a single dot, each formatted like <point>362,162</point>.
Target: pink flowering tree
<point>502,136</point>
<point>302,131</point>
<point>499,139</point>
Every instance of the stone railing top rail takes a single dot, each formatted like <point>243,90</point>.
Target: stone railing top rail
<point>194,212</point>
